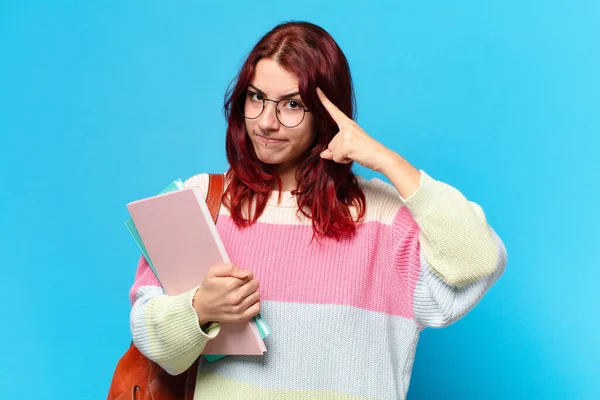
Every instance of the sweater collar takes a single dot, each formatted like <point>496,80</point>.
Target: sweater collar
<point>288,200</point>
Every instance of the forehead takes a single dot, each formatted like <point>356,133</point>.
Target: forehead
<point>272,79</point>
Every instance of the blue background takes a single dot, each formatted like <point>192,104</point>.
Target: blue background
<point>102,103</point>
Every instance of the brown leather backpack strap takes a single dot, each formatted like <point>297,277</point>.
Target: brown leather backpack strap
<point>216,185</point>
<point>190,381</point>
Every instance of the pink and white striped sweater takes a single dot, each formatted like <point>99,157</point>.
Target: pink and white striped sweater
<point>345,315</point>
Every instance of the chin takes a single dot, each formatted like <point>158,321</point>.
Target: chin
<point>271,160</point>
<point>274,160</point>
<point>268,156</point>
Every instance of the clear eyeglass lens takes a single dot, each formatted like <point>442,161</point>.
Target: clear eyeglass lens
<point>290,113</point>
<point>253,108</point>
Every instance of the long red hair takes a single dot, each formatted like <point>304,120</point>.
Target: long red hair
<point>326,191</point>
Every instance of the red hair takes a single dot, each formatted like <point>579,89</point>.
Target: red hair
<point>326,191</point>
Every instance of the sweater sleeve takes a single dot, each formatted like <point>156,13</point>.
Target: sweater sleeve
<point>165,328</point>
<point>457,257</point>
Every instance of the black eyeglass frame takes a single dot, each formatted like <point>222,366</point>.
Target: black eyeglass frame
<point>276,105</point>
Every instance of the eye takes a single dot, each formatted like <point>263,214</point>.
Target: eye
<point>293,105</point>
<point>255,96</point>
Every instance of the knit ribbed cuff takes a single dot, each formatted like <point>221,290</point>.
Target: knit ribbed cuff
<point>189,318</point>
<point>421,201</point>
<point>175,336</point>
<point>455,237</point>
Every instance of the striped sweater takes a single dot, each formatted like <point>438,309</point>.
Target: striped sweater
<point>345,315</point>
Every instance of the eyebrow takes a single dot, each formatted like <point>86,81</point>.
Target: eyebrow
<point>285,96</point>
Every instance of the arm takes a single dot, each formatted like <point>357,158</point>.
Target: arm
<point>166,328</point>
<point>455,237</point>
<point>456,255</point>
<point>451,251</point>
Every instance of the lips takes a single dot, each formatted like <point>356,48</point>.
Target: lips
<point>265,140</point>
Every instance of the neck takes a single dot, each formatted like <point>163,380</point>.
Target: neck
<point>288,179</point>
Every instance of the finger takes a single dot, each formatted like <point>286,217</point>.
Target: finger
<point>223,270</point>
<point>252,311</point>
<point>327,154</point>
<point>335,146</point>
<point>248,288</point>
<point>338,116</point>
<point>336,152</point>
<point>249,301</point>
<point>340,159</point>
<point>243,274</point>
<point>330,151</point>
<point>230,269</point>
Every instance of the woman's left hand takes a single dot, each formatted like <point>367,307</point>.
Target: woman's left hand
<point>352,143</point>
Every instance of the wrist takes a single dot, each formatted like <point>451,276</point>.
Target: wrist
<point>405,178</point>
<point>202,320</point>
<point>391,164</point>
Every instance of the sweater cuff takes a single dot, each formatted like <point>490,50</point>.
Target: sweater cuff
<point>180,331</point>
<point>212,329</point>
<point>425,198</point>
<point>422,173</point>
<point>185,302</point>
<point>456,240</point>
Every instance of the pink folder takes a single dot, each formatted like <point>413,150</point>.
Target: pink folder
<point>183,244</point>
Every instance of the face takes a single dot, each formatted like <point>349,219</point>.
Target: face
<point>275,144</point>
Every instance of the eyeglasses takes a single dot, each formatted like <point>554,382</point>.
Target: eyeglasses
<point>289,112</point>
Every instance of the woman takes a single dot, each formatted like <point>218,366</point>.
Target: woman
<point>350,270</point>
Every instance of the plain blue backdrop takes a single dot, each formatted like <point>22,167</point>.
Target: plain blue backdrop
<point>102,103</point>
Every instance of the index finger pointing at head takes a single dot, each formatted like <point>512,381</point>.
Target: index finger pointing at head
<point>338,116</point>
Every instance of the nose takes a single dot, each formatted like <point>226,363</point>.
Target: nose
<point>268,119</point>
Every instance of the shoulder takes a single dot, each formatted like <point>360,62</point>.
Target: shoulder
<point>376,189</point>
<point>382,199</point>
<point>200,181</point>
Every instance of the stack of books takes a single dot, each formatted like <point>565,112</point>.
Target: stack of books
<point>177,235</point>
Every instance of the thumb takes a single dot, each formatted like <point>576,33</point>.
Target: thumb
<point>237,272</point>
<point>227,270</point>
<point>327,154</point>
<point>242,273</point>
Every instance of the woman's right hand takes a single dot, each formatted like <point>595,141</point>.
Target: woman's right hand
<point>228,294</point>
